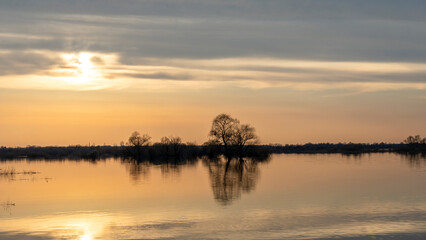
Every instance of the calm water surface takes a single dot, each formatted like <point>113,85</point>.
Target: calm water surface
<point>376,196</point>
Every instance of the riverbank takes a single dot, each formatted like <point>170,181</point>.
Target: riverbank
<point>190,151</point>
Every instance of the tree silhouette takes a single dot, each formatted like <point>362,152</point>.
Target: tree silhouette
<point>136,140</point>
<point>222,131</point>
<point>172,144</point>
<point>227,131</point>
<point>244,135</point>
<point>415,140</point>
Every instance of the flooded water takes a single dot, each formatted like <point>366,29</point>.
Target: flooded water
<point>376,196</point>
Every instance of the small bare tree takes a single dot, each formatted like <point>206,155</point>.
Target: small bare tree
<point>244,136</point>
<point>136,140</point>
<point>175,143</point>
<point>415,140</point>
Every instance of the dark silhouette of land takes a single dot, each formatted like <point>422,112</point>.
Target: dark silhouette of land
<point>165,152</point>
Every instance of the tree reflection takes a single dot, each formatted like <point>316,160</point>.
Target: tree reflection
<point>7,206</point>
<point>137,169</point>
<point>230,177</point>
<point>416,160</point>
<point>140,169</point>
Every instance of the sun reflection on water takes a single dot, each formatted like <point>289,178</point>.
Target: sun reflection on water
<point>83,226</point>
<point>86,237</point>
<point>88,226</point>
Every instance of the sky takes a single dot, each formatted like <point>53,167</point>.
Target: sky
<point>92,71</point>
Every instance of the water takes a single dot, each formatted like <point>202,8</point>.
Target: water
<point>376,196</point>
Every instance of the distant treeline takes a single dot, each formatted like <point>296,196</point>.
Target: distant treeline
<point>184,151</point>
<point>335,148</point>
<point>69,152</point>
<point>412,144</point>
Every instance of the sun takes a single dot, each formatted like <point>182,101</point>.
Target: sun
<point>80,68</point>
<point>85,64</point>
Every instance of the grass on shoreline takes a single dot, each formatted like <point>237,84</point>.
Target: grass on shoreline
<point>13,172</point>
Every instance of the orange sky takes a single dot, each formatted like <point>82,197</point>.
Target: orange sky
<point>48,117</point>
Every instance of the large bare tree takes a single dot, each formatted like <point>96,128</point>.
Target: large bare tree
<point>229,133</point>
<point>223,128</point>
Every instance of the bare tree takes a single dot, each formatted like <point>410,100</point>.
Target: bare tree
<point>228,132</point>
<point>223,128</point>
<point>244,136</point>
<point>171,140</point>
<point>175,143</point>
<point>415,140</point>
<point>136,140</point>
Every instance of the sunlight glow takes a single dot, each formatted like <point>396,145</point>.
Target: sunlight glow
<point>86,237</point>
<point>81,69</point>
<point>87,228</point>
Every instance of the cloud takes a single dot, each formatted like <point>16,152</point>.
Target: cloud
<point>321,30</point>
<point>271,43</point>
<point>94,71</point>
<point>159,75</point>
<point>21,62</point>
<point>24,236</point>
<point>248,9</point>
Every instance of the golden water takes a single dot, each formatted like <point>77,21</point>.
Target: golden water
<point>381,196</point>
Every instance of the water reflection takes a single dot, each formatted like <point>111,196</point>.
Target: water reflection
<point>416,160</point>
<point>82,226</point>
<point>139,169</point>
<point>136,169</point>
<point>376,196</point>
<point>7,206</point>
<point>231,177</point>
